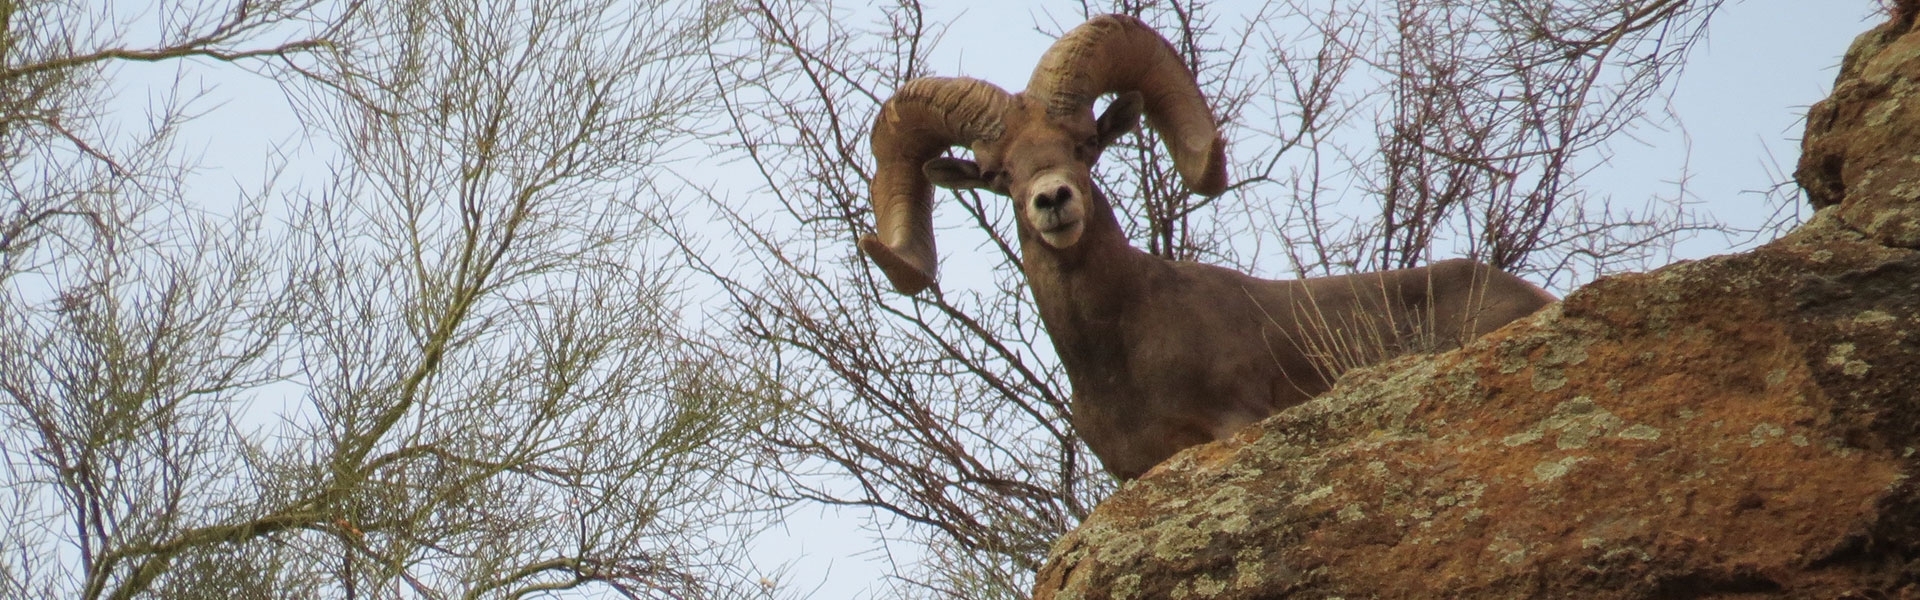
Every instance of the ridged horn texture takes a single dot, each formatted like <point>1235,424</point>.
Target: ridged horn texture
<point>921,121</point>
<point>1118,53</point>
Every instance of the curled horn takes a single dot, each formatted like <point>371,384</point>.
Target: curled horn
<point>921,121</point>
<point>1118,53</point>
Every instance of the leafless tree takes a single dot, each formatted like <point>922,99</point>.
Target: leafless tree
<point>1365,135</point>
<point>1490,116</point>
<point>452,368</point>
<point>55,151</point>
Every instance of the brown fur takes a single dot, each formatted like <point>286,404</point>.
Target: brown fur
<point>1162,355</point>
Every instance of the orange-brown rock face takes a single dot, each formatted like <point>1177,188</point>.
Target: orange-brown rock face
<point>1862,148</point>
<point>1743,426</point>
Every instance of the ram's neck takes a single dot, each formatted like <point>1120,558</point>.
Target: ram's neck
<point>1083,291</point>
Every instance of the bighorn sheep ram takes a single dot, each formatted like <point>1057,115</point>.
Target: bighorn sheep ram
<point>1162,354</point>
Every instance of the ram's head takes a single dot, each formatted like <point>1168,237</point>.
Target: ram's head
<point>1037,147</point>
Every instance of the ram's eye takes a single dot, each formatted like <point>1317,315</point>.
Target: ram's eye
<point>1087,147</point>
<point>995,180</point>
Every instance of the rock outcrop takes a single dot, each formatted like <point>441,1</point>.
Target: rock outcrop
<point>1861,154</point>
<point>1742,426</point>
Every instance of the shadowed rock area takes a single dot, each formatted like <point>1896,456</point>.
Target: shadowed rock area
<point>1739,427</point>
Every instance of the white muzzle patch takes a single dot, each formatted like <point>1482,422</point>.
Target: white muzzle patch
<point>1056,208</point>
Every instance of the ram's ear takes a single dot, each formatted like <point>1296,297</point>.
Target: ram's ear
<point>1120,118</point>
<point>954,173</point>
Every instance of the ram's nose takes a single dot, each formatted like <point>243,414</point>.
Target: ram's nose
<point>1050,192</point>
<point>1049,200</point>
